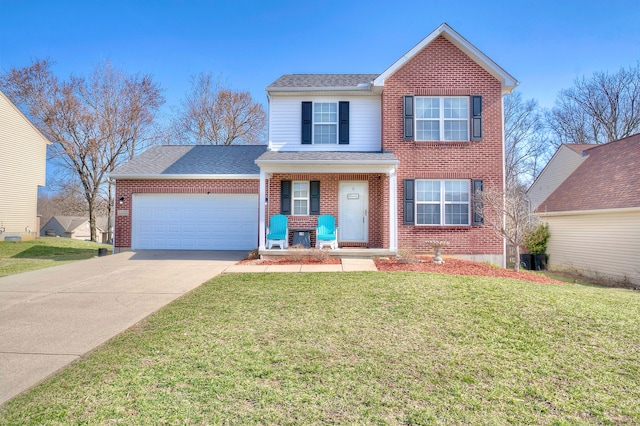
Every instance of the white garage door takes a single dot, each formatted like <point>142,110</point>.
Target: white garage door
<point>195,221</point>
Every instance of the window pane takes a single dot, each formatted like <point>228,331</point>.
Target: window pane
<point>427,108</point>
<point>325,113</point>
<point>428,214</point>
<point>427,190</point>
<point>456,108</point>
<point>300,190</point>
<point>427,130</point>
<point>299,207</point>
<point>325,134</point>
<point>455,130</point>
<point>456,214</point>
<point>456,191</point>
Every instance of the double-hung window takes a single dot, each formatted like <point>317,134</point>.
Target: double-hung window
<point>442,118</point>
<point>325,123</point>
<point>300,198</point>
<point>442,202</point>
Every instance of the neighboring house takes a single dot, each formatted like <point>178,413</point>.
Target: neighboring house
<point>76,227</point>
<point>594,213</point>
<point>396,157</point>
<point>23,159</point>
<point>564,162</point>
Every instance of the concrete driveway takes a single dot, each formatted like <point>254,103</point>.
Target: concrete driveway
<point>54,316</point>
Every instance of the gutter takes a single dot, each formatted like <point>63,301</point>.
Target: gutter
<point>185,176</point>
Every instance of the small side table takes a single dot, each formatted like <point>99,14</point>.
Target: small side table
<point>301,236</point>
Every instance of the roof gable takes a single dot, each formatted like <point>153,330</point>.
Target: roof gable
<point>4,98</point>
<point>176,161</point>
<point>609,178</point>
<point>507,81</point>
<point>71,223</point>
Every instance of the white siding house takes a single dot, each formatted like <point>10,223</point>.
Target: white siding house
<point>22,169</point>
<point>364,123</point>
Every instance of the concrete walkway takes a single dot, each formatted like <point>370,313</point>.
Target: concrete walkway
<point>347,265</point>
<point>54,316</point>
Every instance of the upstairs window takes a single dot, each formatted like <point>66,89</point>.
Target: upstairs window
<point>325,123</point>
<point>442,118</point>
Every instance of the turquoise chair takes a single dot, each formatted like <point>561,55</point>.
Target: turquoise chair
<point>327,232</point>
<point>278,231</point>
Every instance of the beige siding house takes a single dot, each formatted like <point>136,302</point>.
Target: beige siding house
<point>22,169</point>
<point>594,214</point>
<point>76,227</point>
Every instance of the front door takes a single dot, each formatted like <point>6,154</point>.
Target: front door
<point>353,210</point>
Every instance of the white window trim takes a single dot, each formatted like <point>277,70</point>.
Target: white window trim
<point>294,199</point>
<point>441,119</point>
<point>442,203</point>
<point>314,122</point>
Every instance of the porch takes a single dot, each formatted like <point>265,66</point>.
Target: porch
<point>357,189</point>
<point>350,253</point>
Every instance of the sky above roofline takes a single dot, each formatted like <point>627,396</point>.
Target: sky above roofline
<point>545,44</point>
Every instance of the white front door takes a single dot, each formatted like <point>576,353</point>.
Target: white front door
<point>353,208</point>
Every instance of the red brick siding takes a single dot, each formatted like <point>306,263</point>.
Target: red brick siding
<point>378,197</point>
<point>442,69</point>
<point>125,188</point>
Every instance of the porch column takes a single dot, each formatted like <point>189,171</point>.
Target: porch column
<point>393,210</point>
<point>261,208</point>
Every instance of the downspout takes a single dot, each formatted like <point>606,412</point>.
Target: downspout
<point>504,185</point>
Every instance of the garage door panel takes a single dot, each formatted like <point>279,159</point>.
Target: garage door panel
<point>195,221</point>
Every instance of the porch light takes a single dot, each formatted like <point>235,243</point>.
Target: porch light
<point>121,200</point>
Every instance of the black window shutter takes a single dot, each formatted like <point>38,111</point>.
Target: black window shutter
<point>343,126</point>
<point>408,117</point>
<point>477,185</point>
<point>307,111</point>
<point>476,118</point>
<point>285,197</point>
<point>409,202</point>
<point>314,197</point>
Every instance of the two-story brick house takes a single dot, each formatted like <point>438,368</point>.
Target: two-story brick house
<point>395,157</point>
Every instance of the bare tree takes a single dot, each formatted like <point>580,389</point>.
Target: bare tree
<point>215,115</point>
<point>526,149</point>
<point>599,109</point>
<point>94,123</point>
<point>507,213</point>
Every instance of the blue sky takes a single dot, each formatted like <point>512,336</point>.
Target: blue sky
<point>544,44</point>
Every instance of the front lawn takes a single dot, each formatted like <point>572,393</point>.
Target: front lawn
<point>22,256</point>
<point>360,348</point>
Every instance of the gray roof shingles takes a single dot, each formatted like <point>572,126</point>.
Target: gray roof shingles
<point>321,81</point>
<point>194,159</point>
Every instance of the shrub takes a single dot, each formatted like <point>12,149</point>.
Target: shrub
<point>536,239</point>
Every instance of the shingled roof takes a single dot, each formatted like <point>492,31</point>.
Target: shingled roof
<point>166,161</point>
<point>322,81</point>
<point>608,179</point>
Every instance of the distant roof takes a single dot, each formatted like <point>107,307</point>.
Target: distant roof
<point>71,223</point>
<point>609,178</point>
<point>173,161</point>
<point>322,81</point>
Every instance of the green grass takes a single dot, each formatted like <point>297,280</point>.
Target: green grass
<point>22,256</point>
<point>360,348</point>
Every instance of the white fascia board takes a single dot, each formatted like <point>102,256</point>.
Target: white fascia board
<point>319,167</point>
<point>508,82</point>
<point>587,212</point>
<point>185,176</point>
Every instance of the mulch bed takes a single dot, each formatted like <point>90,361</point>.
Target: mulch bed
<point>460,267</point>
<point>423,264</point>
